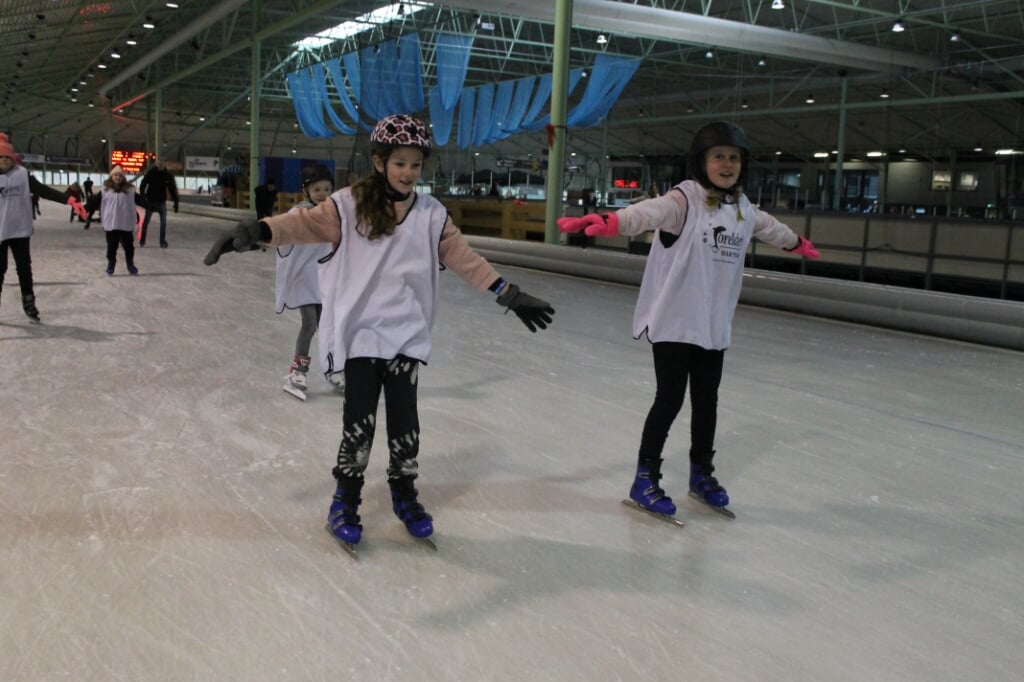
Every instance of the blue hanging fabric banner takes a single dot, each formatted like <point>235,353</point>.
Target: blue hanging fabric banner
<point>410,80</point>
<point>466,110</point>
<point>608,78</point>
<point>452,53</point>
<point>334,68</point>
<point>307,106</point>
<point>320,82</point>
<point>440,119</point>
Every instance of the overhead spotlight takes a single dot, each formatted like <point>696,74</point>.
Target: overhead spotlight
<point>114,54</point>
<point>810,99</point>
<point>101,65</point>
<point>898,26</point>
<point>762,62</point>
<point>977,147</point>
<point>954,37</point>
<point>744,105</point>
<point>148,23</point>
<point>778,151</point>
<point>885,93</point>
<point>583,74</point>
<point>778,4</point>
<point>601,39</point>
<point>710,54</point>
<point>172,5</point>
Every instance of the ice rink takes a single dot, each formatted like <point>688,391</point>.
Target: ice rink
<point>162,500</point>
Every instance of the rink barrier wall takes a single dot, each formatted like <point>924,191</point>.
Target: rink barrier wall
<point>993,322</point>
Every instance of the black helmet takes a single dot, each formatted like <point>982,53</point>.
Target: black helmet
<point>713,135</point>
<point>316,173</point>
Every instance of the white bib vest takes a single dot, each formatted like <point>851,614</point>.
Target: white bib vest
<point>15,204</point>
<point>380,295</point>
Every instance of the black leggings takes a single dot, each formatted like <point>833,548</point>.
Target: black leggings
<point>126,240</point>
<point>674,365</point>
<point>364,379</point>
<point>22,262</point>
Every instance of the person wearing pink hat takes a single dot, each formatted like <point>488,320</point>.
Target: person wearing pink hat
<point>16,214</point>
<point>116,202</point>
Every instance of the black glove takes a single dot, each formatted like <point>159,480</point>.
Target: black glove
<point>532,311</point>
<point>175,206</point>
<point>245,237</point>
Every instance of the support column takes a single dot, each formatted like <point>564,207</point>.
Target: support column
<point>837,181</point>
<point>557,130</point>
<point>254,109</point>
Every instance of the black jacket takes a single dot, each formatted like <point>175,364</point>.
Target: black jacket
<point>157,185</point>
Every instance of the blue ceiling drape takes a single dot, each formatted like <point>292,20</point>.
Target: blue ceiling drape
<point>386,78</point>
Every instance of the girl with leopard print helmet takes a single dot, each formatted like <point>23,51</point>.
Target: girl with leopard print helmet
<point>400,130</point>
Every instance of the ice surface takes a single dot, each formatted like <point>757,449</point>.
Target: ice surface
<point>162,500</point>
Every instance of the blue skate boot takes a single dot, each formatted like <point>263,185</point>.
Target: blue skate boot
<point>646,492</point>
<point>343,518</point>
<point>705,488</point>
<point>408,509</point>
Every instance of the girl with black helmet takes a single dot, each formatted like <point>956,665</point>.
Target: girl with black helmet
<point>380,290</point>
<point>688,296</point>
<point>297,284</point>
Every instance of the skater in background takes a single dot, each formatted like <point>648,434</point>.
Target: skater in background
<point>298,285</point>
<point>688,296</point>
<point>74,191</point>
<point>16,190</point>
<point>156,188</point>
<point>266,199</point>
<point>116,202</point>
<point>380,292</point>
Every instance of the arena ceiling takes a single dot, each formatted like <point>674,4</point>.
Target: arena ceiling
<point>950,83</point>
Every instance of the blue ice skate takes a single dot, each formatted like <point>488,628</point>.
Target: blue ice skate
<point>408,509</point>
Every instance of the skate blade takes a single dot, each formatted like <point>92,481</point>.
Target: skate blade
<point>347,546</point>
<point>658,515</point>
<point>724,511</point>
<point>428,542</point>
<point>301,395</point>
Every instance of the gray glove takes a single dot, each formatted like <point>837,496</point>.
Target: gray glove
<point>532,311</point>
<point>245,237</point>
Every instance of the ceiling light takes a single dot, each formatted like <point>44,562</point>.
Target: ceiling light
<point>172,5</point>
<point>885,93</point>
<point>762,62</point>
<point>130,40</point>
<point>898,26</point>
<point>778,151</point>
<point>977,147</point>
<point>101,65</point>
<point>810,99</point>
<point>148,23</point>
<point>821,155</point>
<point>744,105</point>
<point>710,54</point>
<point>778,4</point>
<point>601,39</point>
<point>115,54</point>
<point>875,155</point>
<point>954,37</point>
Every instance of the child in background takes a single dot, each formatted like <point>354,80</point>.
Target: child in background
<point>380,292</point>
<point>298,284</point>
<point>116,202</point>
<point>16,214</point>
<point>688,296</point>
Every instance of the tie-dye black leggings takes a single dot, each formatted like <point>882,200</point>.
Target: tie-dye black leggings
<point>364,379</point>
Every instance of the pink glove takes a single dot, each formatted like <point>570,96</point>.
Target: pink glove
<point>806,249</point>
<point>594,225</point>
<point>78,207</point>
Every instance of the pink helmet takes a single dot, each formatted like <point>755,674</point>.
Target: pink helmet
<point>401,130</point>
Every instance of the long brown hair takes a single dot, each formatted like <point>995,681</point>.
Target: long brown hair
<point>375,209</point>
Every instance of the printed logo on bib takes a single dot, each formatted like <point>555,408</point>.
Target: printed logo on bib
<point>727,246</point>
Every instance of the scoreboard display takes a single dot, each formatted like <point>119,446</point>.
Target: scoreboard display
<point>131,162</point>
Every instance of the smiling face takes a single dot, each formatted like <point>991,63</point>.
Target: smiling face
<point>319,190</point>
<point>6,163</point>
<point>403,168</point>
<point>723,165</point>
